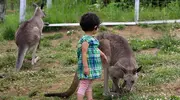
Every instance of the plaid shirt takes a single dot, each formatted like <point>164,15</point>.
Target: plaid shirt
<point>93,58</point>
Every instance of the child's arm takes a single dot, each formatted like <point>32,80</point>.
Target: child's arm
<point>103,56</point>
<point>85,46</point>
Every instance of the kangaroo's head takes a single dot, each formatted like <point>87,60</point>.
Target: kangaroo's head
<point>128,67</point>
<point>39,11</point>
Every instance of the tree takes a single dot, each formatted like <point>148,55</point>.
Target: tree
<point>2,9</point>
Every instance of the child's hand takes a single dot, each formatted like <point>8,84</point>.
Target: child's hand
<point>86,71</point>
<point>104,58</point>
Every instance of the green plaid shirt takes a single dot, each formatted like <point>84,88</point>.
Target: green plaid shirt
<point>93,58</point>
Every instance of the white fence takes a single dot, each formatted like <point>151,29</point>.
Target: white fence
<point>136,17</point>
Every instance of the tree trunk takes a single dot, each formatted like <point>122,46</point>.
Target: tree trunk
<point>2,9</point>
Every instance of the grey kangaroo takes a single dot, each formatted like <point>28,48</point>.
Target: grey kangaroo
<point>121,65</point>
<point>28,36</point>
<point>121,62</point>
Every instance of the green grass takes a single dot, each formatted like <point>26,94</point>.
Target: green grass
<point>9,27</point>
<point>168,12</point>
<point>54,36</point>
<point>120,27</point>
<point>58,61</point>
<point>168,43</point>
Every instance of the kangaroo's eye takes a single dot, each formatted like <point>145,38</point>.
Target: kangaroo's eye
<point>132,81</point>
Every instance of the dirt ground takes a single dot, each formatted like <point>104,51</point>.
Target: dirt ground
<point>127,32</point>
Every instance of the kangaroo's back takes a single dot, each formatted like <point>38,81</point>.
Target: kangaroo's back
<point>119,46</point>
<point>28,34</point>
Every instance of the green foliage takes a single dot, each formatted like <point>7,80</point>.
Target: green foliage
<point>65,45</point>
<point>175,26</point>
<point>9,33</point>
<point>7,61</point>
<point>102,28</point>
<point>167,43</point>
<point>174,97</point>
<point>170,11</point>
<point>68,9</point>
<point>160,27</point>
<point>148,62</point>
<point>120,27</point>
<point>67,55</point>
<point>33,93</point>
<point>10,26</point>
<point>139,44</point>
<point>161,75</point>
<point>144,25</point>
<point>4,97</point>
<point>54,36</point>
<point>114,13</point>
<point>45,42</point>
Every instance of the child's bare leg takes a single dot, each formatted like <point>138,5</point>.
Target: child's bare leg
<point>80,96</point>
<point>83,85</point>
<point>89,94</point>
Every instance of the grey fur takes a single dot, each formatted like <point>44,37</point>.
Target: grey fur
<point>28,37</point>
<point>121,62</point>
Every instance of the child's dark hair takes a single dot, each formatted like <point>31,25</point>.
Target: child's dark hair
<point>89,21</point>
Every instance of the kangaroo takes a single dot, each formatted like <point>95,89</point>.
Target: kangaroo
<point>121,62</point>
<point>121,65</point>
<point>28,36</point>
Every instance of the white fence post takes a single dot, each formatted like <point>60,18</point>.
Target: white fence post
<point>49,3</point>
<point>136,17</point>
<point>22,10</point>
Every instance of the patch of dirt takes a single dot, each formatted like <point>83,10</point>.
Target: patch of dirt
<point>152,51</point>
<point>136,31</point>
<point>172,87</point>
<point>176,33</point>
<point>8,47</point>
<point>55,86</point>
<point>128,32</point>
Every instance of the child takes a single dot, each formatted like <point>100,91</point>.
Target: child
<point>89,56</point>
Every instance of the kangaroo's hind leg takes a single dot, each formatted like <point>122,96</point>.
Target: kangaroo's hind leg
<point>34,58</point>
<point>21,54</point>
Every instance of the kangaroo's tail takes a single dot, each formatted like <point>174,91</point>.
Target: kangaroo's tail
<point>69,92</point>
<point>20,57</point>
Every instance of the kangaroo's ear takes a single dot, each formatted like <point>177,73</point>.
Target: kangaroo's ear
<point>42,5</point>
<point>35,5</point>
<point>138,69</point>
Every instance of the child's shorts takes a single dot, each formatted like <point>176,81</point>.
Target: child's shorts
<point>84,85</point>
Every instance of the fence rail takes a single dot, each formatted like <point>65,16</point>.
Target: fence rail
<point>136,17</point>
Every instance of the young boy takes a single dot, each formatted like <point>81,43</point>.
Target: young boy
<point>89,56</point>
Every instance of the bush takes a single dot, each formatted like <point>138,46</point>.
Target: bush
<point>167,43</point>
<point>10,26</point>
